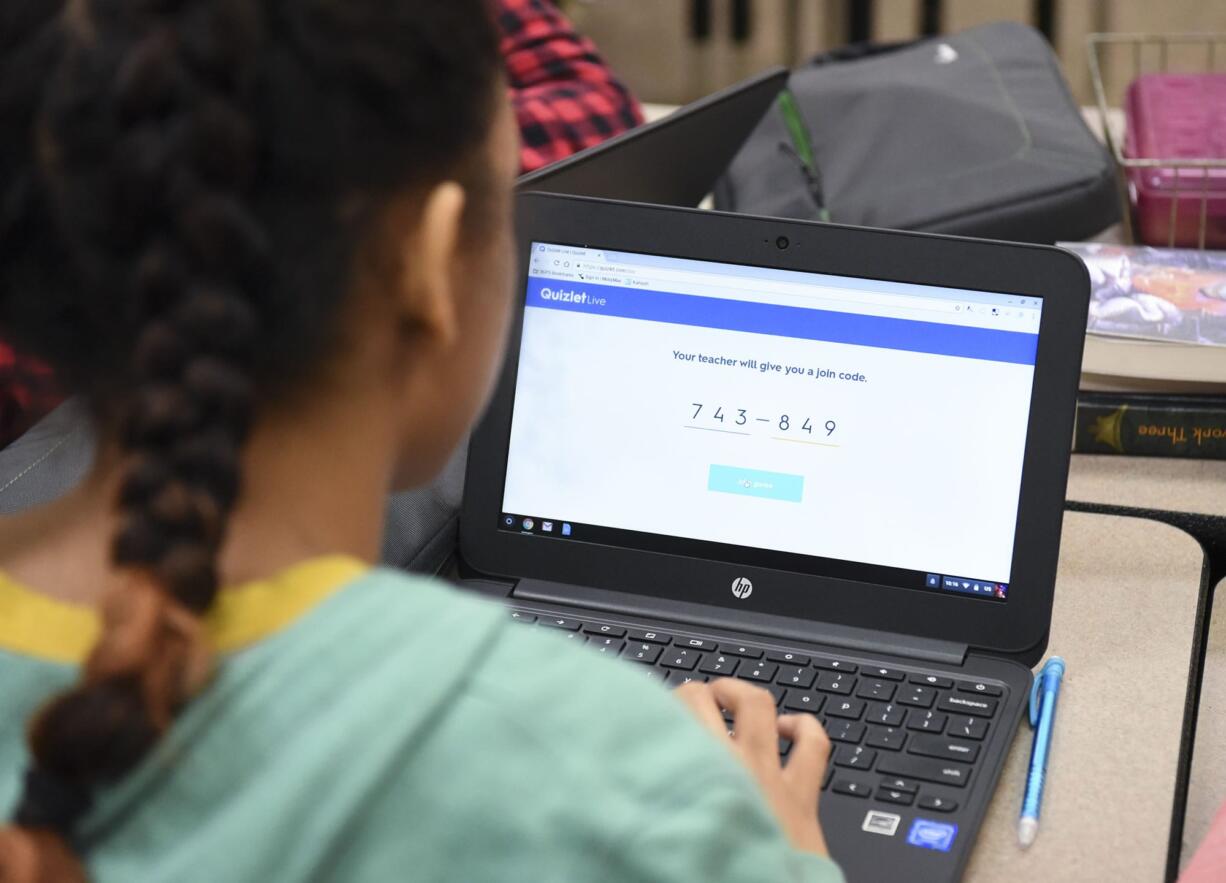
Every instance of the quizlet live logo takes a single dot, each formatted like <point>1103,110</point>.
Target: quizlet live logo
<point>571,297</point>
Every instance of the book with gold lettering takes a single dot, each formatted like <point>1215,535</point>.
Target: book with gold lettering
<point>1191,426</point>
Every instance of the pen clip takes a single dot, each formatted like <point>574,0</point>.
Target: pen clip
<point>1034,697</point>
<point>1053,667</point>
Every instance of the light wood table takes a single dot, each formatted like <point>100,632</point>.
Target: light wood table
<point>1207,785</point>
<point>1192,495</point>
<point>1124,620</point>
<point>1164,483</point>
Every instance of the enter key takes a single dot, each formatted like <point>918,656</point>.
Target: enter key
<point>944,748</point>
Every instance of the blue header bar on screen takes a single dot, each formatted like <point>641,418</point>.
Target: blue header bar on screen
<point>785,321</point>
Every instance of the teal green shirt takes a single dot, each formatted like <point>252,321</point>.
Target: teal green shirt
<point>368,726</point>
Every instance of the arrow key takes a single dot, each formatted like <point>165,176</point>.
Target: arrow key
<point>847,786</point>
<point>903,798</point>
<point>937,804</point>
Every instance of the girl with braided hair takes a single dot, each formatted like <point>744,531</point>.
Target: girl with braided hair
<point>268,242</point>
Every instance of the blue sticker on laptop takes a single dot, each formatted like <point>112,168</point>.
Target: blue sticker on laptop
<point>932,835</point>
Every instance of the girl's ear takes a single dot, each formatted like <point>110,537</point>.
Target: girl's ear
<point>426,291</point>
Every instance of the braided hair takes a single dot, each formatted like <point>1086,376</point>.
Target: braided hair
<point>183,184</point>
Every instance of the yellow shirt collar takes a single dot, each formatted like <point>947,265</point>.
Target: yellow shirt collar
<point>32,624</point>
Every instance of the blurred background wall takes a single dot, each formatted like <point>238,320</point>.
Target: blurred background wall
<point>673,51</point>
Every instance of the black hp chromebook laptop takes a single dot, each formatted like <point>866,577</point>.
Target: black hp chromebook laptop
<point>675,160</point>
<point>827,460</point>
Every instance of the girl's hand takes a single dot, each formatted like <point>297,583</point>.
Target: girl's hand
<point>792,791</point>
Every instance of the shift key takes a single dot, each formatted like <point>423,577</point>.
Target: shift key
<point>909,767</point>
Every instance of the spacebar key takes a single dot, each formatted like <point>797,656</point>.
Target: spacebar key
<point>941,771</point>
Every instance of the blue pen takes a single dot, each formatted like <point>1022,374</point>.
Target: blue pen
<point>1043,697</point>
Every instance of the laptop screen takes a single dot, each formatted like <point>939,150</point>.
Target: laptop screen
<point>846,427</point>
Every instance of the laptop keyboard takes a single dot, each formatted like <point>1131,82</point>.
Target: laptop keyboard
<point>900,736</point>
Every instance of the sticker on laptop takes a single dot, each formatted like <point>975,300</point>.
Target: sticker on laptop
<point>876,822</point>
<point>932,835</point>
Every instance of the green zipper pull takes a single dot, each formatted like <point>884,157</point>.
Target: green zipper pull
<point>802,145</point>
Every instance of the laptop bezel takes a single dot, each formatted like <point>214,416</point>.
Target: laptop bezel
<point>656,162</point>
<point>1014,627</point>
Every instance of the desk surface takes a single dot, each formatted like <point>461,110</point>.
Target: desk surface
<point>1123,585</point>
<point>1207,784</point>
<point>1149,483</point>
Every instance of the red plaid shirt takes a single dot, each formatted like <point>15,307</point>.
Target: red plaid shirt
<point>565,99</point>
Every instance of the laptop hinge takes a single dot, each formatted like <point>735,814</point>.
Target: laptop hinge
<point>768,625</point>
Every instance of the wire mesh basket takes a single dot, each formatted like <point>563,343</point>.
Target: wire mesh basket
<point>1190,184</point>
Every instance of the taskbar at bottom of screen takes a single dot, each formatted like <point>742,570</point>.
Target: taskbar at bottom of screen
<point>556,528</point>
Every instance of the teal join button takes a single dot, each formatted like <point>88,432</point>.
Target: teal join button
<point>756,483</point>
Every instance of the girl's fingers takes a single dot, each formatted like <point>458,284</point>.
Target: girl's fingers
<point>753,713</point>
<point>701,702</point>
<point>809,755</point>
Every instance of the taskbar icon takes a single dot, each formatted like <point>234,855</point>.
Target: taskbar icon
<point>964,586</point>
<point>529,524</point>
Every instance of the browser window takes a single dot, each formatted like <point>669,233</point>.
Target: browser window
<point>862,428</point>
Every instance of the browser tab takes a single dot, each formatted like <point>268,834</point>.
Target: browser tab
<point>782,287</point>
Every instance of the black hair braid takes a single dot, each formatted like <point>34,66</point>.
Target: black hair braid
<point>181,157</point>
<point>183,184</point>
<point>184,158</point>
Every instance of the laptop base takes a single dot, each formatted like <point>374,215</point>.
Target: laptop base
<point>917,743</point>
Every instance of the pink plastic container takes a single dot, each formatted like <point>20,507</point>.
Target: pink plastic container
<point>1171,117</point>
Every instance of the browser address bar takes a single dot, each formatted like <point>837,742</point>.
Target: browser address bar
<point>813,292</point>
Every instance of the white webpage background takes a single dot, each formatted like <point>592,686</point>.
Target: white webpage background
<point>926,476</point>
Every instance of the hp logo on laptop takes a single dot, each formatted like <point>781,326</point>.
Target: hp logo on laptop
<point>742,587</point>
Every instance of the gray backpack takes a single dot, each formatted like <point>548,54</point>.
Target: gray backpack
<point>973,134</point>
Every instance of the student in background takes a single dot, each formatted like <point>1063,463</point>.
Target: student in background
<point>268,244</point>
<point>565,97</point>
